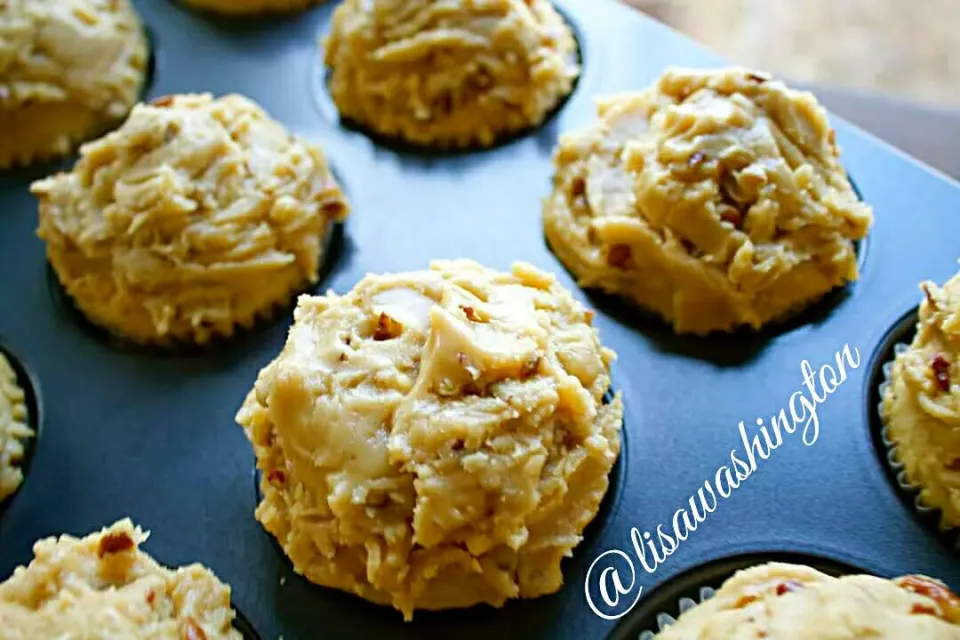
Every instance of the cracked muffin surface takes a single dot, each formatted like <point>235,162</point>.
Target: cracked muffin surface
<point>196,217</point>
<point>103,586</point>
<point>435,439</point>
<point>13,429</point>
<point>921,402</point>
<point>782,601</point>
<point>449,73</point>
<point>714,198</point>
<point>68,70</point>
<point>251,7</point>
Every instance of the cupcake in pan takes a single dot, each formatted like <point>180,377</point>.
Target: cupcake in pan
<point>455,73</point>
<point>104,586</point>
<point>251,7</point>
<point>920,406</point>
<point>13,429</point>
<point>714,198</point>
<point>435,439</point>
<point>68,70</point>
<point>781,601</point>
<point>196,217</point>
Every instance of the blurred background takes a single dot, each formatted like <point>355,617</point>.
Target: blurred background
<point>890,66</point>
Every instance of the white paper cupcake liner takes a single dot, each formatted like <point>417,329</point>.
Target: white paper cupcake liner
<point>665,619</point>
<point>912,491</point>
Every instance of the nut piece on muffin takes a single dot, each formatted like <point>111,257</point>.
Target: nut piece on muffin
<point>103,586</point>
<point>69,69</point>
<point>714,198</point>
<point>13,429</point>
<point>793,602</point>
<point>449,74</point>
<point>436,439</point>
<point>921,402</point>
<point>197,216</point>
<point>251,7</point>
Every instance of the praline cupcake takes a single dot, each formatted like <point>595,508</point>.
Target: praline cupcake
<point>714,198</point>
<point>449,74</point>
<point>13,429</point>
<point>921,403</point>
<point>104,586</point>
<point>196,217</point>
<point>435,439</point>
<point>781,601</point>
<point>68,70</point>
<point>251,7</point>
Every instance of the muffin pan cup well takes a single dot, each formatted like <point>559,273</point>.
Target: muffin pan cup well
<point>154,438</point>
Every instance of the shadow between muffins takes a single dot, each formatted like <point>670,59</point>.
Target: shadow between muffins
<point>337,247</point>
<point>900,334</point>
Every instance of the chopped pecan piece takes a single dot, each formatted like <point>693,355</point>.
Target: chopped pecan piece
<point>387,328</point>
<point>192,630</point>
<point>114,543</point>
<point>457,444</point>
<point>470,312</point>
<point>948,601</point>
<point>618,255</point>
<point>162,101</point>
<point>756,77</point>
<point>744,601</point>
<point>578,187</point>
<point>151,596</point>
<point>941,371</point>
<point>530,367</point>
<point>588,316</point>
<point>788,586</point>
<point>276,476</point>
<point>730,214</point>
<point>922,609</point>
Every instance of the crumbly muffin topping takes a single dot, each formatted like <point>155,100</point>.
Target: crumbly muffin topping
<point>450,73</point>
<point>103,586</point>
<point>67,67</point>
<point>921,403</point>
<point>195,217</point>
<point>786,602</point>
<point>13,429</point>
<point>435,439</point>
<point>715,198</point>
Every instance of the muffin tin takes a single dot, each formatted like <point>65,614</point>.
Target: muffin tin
<point>152,435</point>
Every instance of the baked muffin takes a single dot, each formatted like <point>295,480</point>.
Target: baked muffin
<point>449,74</point>
<point>713,198</point>
<point>196,217</point>
<point>793,602</point>
<point>69,69</point>
<point>250,7</point>
<point>103,586</point>
<point>435,439</point>
<point>921,402</point>
<point>13,429</point>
